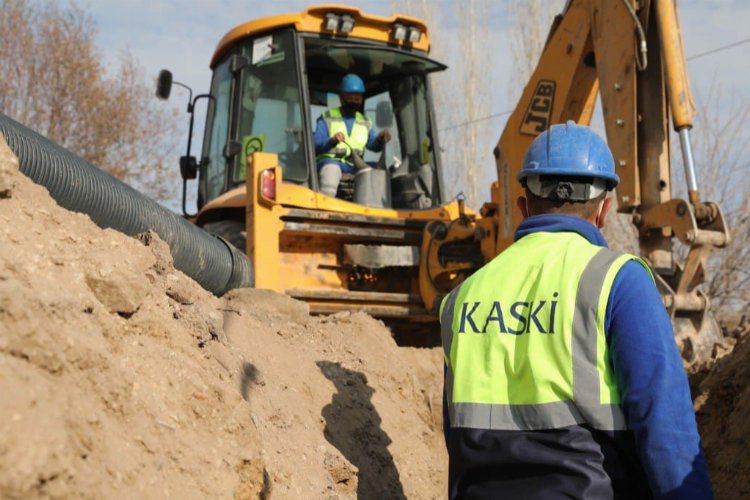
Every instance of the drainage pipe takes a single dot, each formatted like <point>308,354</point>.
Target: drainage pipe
<point>81,187</point>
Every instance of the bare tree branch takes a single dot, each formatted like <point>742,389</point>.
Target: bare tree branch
<point>52,80</point>
<point>462,94</point>
<point>721,147</point>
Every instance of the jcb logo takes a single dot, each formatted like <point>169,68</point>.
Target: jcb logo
<point>537,117</point>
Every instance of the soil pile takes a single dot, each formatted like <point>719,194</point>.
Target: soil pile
<point>121,377</point>
<point>722,405</point>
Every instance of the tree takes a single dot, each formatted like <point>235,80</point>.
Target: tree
<point>52,80</point>
<point>462,94</point>
<point>721,147</point>
<point>530,21</point>
<point>473,32</point>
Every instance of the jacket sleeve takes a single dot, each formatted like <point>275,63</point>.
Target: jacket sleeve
<point>654,388</point>
<point>321,137</point>
<point>373,144</point>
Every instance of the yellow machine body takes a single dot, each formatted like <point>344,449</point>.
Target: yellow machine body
<point>397,262</point>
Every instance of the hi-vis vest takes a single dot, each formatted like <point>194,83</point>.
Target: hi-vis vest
<point>524,340</point>
<point>357,139</point>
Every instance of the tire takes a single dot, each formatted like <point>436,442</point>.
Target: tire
<point>231,230</point>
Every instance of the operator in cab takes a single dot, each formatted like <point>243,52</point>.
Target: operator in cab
<point>344,131</point>
<point>562,376</point>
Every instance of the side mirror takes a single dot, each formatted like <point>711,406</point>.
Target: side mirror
<point>188,167</point>
<point>383,114</point>
<point>164,84</point>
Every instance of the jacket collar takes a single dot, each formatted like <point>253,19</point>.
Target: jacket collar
<point>556,223</point>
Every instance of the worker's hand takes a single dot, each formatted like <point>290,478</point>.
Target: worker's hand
<point>339,137</point>
<point>384,136</point>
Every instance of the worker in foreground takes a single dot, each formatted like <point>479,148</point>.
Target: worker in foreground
<point>562,378</point>
<point>342,131</point>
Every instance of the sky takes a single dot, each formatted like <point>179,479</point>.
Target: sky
<point>182,35</point>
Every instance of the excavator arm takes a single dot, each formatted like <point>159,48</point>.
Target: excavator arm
<point>630,53</point>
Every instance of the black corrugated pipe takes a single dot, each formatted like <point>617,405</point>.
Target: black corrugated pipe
<point>81,187</point>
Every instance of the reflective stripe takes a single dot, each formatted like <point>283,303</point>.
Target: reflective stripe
<point>449,396</point>
<point>446,334</point>
<point>535,417</point>
<point>342,151</point>
<point>585,407</point>
<point>446,322</point>
<point>586,388</point>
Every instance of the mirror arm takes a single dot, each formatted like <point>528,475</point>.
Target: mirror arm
<point>190,96</point>
<point>191,110</point>
<point>184,201</point>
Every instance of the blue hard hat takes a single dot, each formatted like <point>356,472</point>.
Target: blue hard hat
<point>569,150</point>
<point>352,84</point>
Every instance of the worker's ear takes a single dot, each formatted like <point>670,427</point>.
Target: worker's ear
<point>606,205</point>
<point>523,206</point>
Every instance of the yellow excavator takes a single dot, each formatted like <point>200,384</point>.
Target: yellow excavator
<point>390,243</point>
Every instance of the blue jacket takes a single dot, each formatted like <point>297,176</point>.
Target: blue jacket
<point>324,142</point>
<point>663,441</point>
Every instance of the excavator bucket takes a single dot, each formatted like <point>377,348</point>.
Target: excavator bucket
<point>697,335</point>
<point>696,330</point>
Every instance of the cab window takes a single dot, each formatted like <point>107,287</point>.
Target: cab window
<point>270,118</point>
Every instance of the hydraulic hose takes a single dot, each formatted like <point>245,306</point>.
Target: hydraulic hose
<point>81,187</point>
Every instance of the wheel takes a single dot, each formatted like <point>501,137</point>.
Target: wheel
<point>231,230</point>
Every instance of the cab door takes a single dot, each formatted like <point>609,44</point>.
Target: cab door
<point>270,106</point>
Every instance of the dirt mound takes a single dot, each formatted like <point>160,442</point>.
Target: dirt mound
<point>121,377</point>
<point>722,407</point>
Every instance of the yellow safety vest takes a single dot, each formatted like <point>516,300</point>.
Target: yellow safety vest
<point>524,338</point>
<point>356,141</point>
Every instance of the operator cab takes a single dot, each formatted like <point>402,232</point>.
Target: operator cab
<point>270,87</point>
<point>396,98</point>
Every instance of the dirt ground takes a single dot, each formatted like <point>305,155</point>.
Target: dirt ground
<point>722,405</point>
<point>121,377</point>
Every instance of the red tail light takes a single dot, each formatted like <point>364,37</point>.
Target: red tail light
<point>268,184</point>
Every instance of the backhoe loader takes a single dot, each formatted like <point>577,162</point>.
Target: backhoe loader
<point>389,243</point>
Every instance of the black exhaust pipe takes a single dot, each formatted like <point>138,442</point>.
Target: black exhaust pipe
<point>81,187</point>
